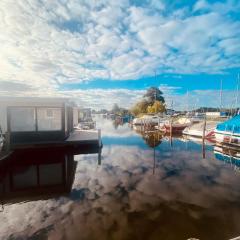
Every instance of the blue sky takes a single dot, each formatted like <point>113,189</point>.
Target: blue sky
<point>106,51</point>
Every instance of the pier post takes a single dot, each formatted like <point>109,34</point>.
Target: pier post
<point>99,138</point>
<point>171,130</point>
<point>203,137</point>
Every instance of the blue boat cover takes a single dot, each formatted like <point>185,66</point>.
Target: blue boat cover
<point>231,125</point>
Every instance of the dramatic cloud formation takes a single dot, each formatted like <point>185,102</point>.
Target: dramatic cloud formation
<point>45,44</point>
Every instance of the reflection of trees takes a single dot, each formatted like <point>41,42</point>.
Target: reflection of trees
<point>152,137</point>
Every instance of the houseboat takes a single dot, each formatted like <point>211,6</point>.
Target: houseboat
<point>31,122</point>
<point>228,132</point>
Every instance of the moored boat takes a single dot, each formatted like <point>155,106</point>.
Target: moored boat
<point>147,119</point>
<point>196,130</point>
<point>176,126</point>
<point>228,132</point>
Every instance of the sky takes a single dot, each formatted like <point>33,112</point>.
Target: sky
<point>101,52</point>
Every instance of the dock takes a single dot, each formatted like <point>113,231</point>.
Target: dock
<point>77,139</point>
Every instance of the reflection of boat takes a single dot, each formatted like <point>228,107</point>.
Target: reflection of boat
<point>209,142</point>
<point>85,125</point>
<point>227,155</point>
<point>38,173</point>
<point>228,132</point>
<point>196,129</point>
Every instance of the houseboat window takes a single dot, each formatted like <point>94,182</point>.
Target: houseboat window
<point>49,119</point>
<point>22,119</point>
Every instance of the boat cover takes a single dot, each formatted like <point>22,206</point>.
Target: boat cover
<point>231,125</point>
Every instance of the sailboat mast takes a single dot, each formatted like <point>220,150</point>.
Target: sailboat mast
<point>237,91</point>
<point>221,96</point>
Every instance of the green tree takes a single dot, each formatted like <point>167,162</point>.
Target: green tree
<point>157,107</point>
<point>140,107</point>
<point>154,94</point>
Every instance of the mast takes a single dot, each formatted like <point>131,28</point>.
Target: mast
<point>237,92</point>
<point>221,95</point>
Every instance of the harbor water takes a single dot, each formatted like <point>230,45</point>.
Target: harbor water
<point>140,186</point>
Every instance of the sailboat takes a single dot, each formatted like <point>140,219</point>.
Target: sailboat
<point>228,132</point>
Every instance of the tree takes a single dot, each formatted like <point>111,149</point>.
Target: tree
<point>157,107</point>
<point>115,108</point>
<point>153,94</point>
<point>140,107</point>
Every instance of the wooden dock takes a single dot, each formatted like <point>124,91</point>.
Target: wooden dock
<point>77,139</point>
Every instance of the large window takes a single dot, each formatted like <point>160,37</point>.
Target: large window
<point>22,119</point>
<point>49,119</point>
<point>30,119</point>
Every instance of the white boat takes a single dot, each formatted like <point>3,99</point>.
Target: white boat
<point>85,126</point>
<point>196,130</point>
<point>177,125</point>
<point>228,132</point>
<point>147,119</point>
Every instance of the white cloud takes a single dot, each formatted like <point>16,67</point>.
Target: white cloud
<point>45,43</point>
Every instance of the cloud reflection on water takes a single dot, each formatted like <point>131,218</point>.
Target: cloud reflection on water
<point>122,199</point>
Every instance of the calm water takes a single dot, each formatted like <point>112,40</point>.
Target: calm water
<point>142,187</point>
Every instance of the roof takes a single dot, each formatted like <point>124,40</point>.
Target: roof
<point>231,125</point>
<point>32,101</point>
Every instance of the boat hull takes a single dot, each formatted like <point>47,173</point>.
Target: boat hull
<point>229,138</point>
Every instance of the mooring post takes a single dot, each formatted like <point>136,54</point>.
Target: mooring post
<point>171,130</point>
<point>99,138</point>
<point>203,137</point>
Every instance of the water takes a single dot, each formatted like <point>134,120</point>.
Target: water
<point>139,188</point>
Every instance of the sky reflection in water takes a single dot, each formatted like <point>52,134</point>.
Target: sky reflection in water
<point>133,195</point>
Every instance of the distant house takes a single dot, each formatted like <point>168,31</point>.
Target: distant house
<point>216,114</point>
<point>34,120</point>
